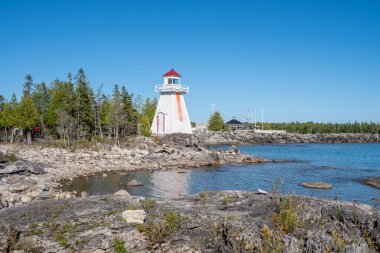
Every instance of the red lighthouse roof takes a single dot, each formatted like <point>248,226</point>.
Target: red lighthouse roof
<point>172,73</point>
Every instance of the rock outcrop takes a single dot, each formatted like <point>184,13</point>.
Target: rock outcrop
<point>316,185</point>
<point>249,138</point>
<point>373,181</point>
<point>27,179</point>
<point>225,221</point>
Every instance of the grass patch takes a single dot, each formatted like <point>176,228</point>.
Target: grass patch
<point>60,209</point>
<point>132,207</point>
<point>113,211</point>
<point>147,204</point>
<point>338,242</point>
<point>229,199</point>
<point>8,157</point>
<point>286,217</point>
<point>339,215</point>
<point>157,230</point>
<point>203,198</point>
<point>271,241</point>
<point>119,246</point>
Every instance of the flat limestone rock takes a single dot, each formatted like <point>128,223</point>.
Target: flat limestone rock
<point>21,166</point>
<point>134,216</point>
<point>134,182</point>
<point>121,193</point>
<point>317,185</point>
<point>373,181</point>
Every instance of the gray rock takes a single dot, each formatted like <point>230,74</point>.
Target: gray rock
<point>22,166</point>
<point>83,194</point>
<point>316,185</point>
<point>362,247</point>
<point>134,216</point>
<point>46,187</point>
<point>292,244</point>
<point>134,182</point>
<point>121,193</point>
<point>373,181</point>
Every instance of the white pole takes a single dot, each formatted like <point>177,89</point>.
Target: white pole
<point>213,108</point>
<point>251,116</point>
<point>255,120</point>
<point>262,118</point>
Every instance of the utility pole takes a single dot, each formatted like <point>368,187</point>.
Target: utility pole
<point>213,108</point>
<point>251,116</point>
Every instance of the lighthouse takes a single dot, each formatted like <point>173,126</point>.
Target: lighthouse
<point>171,114</point>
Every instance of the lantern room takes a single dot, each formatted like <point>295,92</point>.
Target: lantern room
<point>172,78</point>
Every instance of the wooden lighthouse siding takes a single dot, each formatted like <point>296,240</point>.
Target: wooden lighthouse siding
<point>179,107</point>
<point>172,105</point>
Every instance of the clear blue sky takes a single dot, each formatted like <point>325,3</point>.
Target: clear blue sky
<point>300,60</point>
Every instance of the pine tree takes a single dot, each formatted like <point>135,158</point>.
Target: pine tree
<point>28,85</point>
<point>117,113</point>
<point>216,123</point>
<point>130,111</point>
<point>84,110</point>
<point>41,98</point>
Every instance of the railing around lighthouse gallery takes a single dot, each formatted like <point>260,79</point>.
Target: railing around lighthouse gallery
<point>163,88</point>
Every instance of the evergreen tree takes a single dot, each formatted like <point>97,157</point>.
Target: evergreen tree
<point>41,98</point>
<point>216,123</point>
<point>130,111</point>
<point>84,98</point>
<point>62,98</point>
<point>27,116</point>
<point>28,85</point>
<point>105,115</point>
<point>148,112</point>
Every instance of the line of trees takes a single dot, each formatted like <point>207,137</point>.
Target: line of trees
<point>71,111</point>
<point>216,123</point>
<point>313,127</point>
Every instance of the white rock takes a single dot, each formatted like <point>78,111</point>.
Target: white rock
<point>261,191</point>
<point>134,216</point>
<point>122,193</point>
<point>134,182</point>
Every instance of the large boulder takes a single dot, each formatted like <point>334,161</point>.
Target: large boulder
<point>122,193</point>
<point>317,185</point>
<point>373,181</point>
<point>134,216</point>
<point>22,166</point>
<point>134,182</point>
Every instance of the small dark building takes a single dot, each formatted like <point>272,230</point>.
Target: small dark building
<point>234,124</point>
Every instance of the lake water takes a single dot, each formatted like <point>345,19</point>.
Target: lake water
<point>345,166</point>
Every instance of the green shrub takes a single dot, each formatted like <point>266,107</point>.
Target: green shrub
<point>119,245</point>
<point>286,218</point>
<point>229,199</point>
<point>203,197</point>
<point>157,230</point>
<point>148,204</point>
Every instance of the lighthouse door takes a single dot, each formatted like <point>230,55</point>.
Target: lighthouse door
<point>160,123</point>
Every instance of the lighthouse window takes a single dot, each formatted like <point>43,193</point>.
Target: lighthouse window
<point>176,81</point>
<point>170,80</point>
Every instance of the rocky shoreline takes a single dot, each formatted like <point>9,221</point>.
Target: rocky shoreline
<point>37,216</point>
<point>37,173</point>
<point>224,221</point>
<point>250,138</point>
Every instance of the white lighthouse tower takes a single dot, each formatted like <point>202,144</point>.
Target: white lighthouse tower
<point>171,114</point>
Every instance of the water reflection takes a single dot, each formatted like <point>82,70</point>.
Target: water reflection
<point>343,165</point>
<point>161,184</point>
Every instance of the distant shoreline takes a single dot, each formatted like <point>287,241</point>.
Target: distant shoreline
<point>250,138</point>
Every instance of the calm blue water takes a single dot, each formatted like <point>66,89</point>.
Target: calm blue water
<point>351,162</point>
